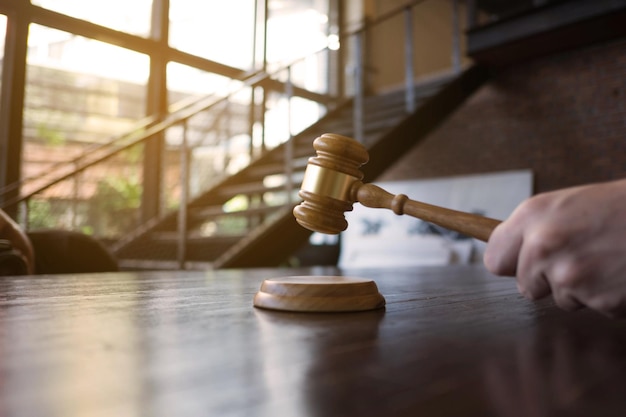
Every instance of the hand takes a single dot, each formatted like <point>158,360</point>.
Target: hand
<point>11,231</point>
<point>569,243</point>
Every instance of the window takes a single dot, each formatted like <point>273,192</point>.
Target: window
<point>79,92</point>
<point>123,15</point>
<point>296,31</point>
<point>87,87</point>
<point>221,31</point>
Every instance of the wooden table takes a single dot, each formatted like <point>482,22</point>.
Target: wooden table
<point>452,341</point>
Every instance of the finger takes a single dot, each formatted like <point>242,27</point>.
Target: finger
<point>502,250</point>
<point>608,299</point>
<point>533,287</point>
<point>534,261</point>
<point>504,245</point>
<point>567,275</point>
<point>566,300</point>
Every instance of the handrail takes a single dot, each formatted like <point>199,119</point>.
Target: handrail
<point>358,35</point>
<point>143,123</point>
<point>146,128</point>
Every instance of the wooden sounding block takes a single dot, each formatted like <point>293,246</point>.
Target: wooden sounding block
<point>319,294</point>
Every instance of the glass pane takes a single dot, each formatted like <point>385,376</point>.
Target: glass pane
<point>283,114</point>
<point>79,100</point>
<point>102,201</point>
<point>296,31</point>
<point>214,135</point>
<point>221,31</point>
<point>123,15</point>
<point>186,83</point>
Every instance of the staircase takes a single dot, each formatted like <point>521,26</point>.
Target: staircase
<point>245,220</point>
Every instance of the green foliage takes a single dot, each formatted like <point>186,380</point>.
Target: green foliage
<point>134,154</point>
<point>233,225</point>
<point>237,203</point>
<point>40,215</point>
<point>50,136</point>
<point>114,207</point>
<point>118,193</point>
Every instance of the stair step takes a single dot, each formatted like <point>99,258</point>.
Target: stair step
<point>259,187</point>
<point>198,251</point>
<point>230,239</point>
<point>273,168</point>
<point>196,238</point>
<point>301,150</point>
<point>397,98</point>
<point>163,246</point>
<point>217,211</point>
<point>370,126</point>
<point>161,265</point>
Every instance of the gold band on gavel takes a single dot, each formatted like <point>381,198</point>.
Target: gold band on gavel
<point>327,182</point>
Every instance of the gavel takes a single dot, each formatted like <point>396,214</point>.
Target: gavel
<point>332,184</point>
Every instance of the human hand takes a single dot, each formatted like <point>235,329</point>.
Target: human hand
<point>10,231</point>
<point>570,243</point>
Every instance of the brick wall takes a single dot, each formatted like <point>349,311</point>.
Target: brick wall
<point>562,116</point>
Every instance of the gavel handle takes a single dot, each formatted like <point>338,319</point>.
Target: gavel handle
<point>469,224</point>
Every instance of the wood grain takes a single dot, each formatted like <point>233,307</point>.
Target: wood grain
<point>451,341</point>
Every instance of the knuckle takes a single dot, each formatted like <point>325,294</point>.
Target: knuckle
<point>535,204</point>
<point>542,241</point>
<point>545,239</point>
<point>568,273</point>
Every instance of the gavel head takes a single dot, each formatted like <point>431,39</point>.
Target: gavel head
<point>329,179</point>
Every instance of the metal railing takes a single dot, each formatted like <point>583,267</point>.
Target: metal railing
<point>143,130</point>
<point>360,66</point>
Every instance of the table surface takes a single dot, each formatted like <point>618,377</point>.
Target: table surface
<point>451,341</point>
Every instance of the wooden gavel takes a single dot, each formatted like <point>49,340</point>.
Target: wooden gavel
<point>332,184</point>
